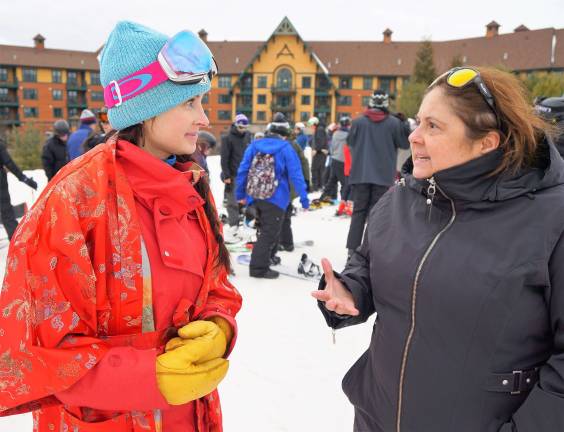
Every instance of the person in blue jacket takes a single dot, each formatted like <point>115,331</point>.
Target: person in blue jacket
<point>77,138</point>
<point>270,211</point>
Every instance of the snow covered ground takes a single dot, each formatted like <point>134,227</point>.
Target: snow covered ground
<point>285,372</point>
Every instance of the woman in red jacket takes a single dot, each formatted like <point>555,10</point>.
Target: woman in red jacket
<point>117,314</point>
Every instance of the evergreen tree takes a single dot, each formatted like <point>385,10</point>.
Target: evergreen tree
<point>24,145</point>
<point>411,97</point>
<point>424,71</point>
<point>545,84</point>
<point>456,61</point>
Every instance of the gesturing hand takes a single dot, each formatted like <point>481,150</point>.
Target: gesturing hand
<point>335,296</point>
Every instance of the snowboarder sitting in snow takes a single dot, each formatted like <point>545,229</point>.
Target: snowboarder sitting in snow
<point>268,165</point>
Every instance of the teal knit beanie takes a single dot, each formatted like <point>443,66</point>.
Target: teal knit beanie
<point>130,48</point>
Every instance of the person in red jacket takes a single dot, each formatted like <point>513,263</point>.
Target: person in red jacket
<point>117,314</point>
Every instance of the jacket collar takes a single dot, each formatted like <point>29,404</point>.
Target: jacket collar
<point>150,177</point>
<point>472,181</point>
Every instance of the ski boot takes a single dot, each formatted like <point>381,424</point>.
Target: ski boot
<point>307,268</point>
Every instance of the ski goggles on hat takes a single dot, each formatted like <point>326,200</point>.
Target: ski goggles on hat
<point>184,59</point>
<point>460,77</point>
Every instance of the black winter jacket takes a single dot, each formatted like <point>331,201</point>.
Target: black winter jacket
<point>233,147</point>
<point>54,156</point>
<point>7,162</point>
<point>319,139</point>
<point>469,295</point>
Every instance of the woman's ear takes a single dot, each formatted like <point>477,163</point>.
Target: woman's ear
<point>490,142</point>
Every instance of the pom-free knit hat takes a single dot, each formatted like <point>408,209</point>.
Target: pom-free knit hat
<point>87,117</point>
<point>129,48</point>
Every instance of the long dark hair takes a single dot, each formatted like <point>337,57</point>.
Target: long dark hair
<point>134,135</point>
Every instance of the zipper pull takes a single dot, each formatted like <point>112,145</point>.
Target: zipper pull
<point>431,190</point>
<point>334,335</point>
<point>400,181</point>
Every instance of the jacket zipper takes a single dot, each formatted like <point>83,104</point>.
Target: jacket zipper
<point>432,186</point>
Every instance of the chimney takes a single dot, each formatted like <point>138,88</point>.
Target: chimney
<point>492,29</point>
<point>387,35</point>
<point>521,28</point>
<point>203,35</point>
<point>39,41</point>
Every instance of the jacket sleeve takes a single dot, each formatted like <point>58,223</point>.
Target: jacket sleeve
<point>543,410</point>
<point>295,174</point>
<point>352,135</point>
<point>226,150</point>
<point>48,319</point>
<point>10,164</point>
<point>131,370</point>
<point>243,172</point>
<point>401,134</point>
<point>303,161</point>
<point>48,160</point>
<point>356,278</point>
<point>321,139</point>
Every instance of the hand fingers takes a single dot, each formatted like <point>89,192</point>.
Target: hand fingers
<point>342,308</point>
<point>197,329</point>
<point>327,269</point>
<point>321,295</point>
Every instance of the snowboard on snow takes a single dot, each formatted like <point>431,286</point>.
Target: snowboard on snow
<point>247,247</point>
<point>306,270</point>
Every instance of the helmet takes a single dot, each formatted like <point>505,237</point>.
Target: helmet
<point>552,109</point>
<point>207,137</point>
<point>300,125</point>
<point>345,121</point>
<point>279,125</point>
<point>61,127</point>
<point>313,121</point>
<point>379,99</point>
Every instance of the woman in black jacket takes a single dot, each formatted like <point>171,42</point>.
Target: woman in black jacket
<point>463,261</point>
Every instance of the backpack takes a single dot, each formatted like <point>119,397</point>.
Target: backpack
<point>261,180</point>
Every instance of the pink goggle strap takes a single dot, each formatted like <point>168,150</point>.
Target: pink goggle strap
<point>133,85</point>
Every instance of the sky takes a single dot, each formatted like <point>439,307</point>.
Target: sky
<point>80,25</point>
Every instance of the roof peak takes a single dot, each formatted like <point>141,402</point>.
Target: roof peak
<point>285,28</point>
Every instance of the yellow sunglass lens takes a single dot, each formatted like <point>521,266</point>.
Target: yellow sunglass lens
<point>461,77</point>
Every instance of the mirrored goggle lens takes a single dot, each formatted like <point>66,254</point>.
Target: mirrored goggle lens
<point>461,77</point>
<point>187,54</point>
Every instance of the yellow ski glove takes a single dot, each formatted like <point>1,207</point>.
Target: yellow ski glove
<point>225,327</point>
<point>192,365</point>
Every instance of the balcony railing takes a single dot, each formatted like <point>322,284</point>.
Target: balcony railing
<point>246,90</point>
<point>75,85</point>
<point>9,84</point>
<point>10,122</point>
<point>282,107</point>
<point>282,90</point>
<point>322,109</point>
<point>244,108</point>
<point>9,102</point>
<point>77,104</point>
<point>322,91</point>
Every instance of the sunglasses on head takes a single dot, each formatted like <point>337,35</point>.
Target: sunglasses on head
<point>184,59</point>
<point>461,77</point>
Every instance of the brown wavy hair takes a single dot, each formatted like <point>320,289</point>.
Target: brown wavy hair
<point>520,128</point>
<point>134,135</point>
